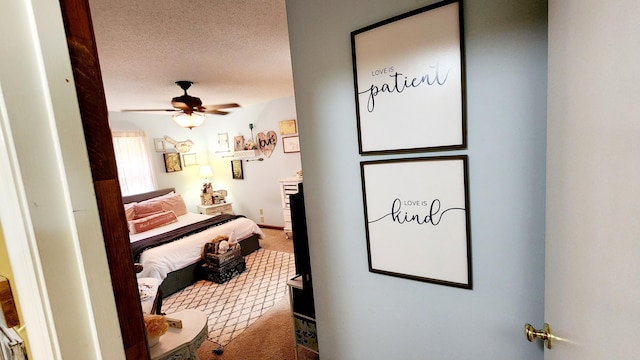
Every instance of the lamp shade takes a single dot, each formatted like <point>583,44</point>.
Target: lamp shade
<point>205,171</point>
<point>189,121</point>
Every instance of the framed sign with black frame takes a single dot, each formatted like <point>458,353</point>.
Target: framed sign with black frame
<point>417,219</point>
<point>172,162</point>
<point>236,170</point>
<point>409,81</point>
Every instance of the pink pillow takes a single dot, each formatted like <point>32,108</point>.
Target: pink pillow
<point>174,203</point>
<point>129,211</point>
<point>152,222</point>
<point>145,209</point>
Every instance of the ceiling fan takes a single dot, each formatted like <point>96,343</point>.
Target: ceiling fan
<point>189,109</point>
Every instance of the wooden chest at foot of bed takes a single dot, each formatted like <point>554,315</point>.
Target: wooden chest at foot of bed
<point>219,260</point>
<point>223,273</point>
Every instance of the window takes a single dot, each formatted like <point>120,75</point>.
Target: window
<point>133,162</point>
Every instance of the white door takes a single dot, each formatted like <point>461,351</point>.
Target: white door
<point>592,294</point>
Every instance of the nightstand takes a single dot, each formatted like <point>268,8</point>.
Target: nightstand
<point>216,209</point>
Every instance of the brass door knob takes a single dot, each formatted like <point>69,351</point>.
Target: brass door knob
<point>545,334</point>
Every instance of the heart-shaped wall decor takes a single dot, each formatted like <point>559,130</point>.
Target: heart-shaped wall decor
<point>267,142</point>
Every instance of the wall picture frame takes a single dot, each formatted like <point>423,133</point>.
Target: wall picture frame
<point>223,141</point>
<point>417,219</point>
<point>172,162</point>
<point>236,170</point>
<point>409,80</point>
<point>291,144</point>
<point>159,145</point>
<point>287,127</point>
<point>238,143</point>
<point>190,159</point>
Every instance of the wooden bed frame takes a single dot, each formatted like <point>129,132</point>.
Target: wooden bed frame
<point>181,278</point>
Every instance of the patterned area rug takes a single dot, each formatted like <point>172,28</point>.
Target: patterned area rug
<point>238,303</point>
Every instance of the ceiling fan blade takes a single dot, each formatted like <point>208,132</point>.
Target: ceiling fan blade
<point>220,106</point>
<point>186,102</point>
<point>216,112</point>
<point>181,106</point>
<point>139,110</point>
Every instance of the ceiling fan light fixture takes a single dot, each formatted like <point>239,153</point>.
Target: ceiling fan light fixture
<point>189,121</point>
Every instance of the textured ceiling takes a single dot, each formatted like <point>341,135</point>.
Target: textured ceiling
<point>233,51</point>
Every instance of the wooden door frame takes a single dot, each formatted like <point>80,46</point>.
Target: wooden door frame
<point>97,132</point>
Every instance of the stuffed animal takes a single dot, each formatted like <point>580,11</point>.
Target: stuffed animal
<point>214,245</point>
<point>223,246</point>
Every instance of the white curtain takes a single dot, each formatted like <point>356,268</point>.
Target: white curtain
<point>133,161</point>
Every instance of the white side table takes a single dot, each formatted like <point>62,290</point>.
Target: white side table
<point>216,209</point>
<point>182,343</point>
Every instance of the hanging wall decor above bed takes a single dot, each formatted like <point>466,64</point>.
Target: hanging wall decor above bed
<point>409,81</point>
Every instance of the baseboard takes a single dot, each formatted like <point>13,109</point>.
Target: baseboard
<point>274,227</point>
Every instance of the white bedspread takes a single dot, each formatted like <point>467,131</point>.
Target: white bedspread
<point>157,262</point>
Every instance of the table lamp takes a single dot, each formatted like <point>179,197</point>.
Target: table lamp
<point>205,172</point>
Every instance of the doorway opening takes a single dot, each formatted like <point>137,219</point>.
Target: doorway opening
<point>119,275</point>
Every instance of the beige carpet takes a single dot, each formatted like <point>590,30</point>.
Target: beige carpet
<point>276,240</point>
<point>269,336</point>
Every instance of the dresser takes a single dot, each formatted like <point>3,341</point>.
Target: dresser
<point>288,186</point>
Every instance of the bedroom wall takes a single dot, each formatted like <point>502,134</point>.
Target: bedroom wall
<point>362,315</point>
<point>260,187</point>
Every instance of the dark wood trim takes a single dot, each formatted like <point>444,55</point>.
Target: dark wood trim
<point>274,227</point>
<point>93,110</point>
<point>146,196</point>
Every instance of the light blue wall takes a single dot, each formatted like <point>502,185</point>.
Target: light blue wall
<point>362,315</point>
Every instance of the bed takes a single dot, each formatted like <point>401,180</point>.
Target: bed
<point>168,242</point>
